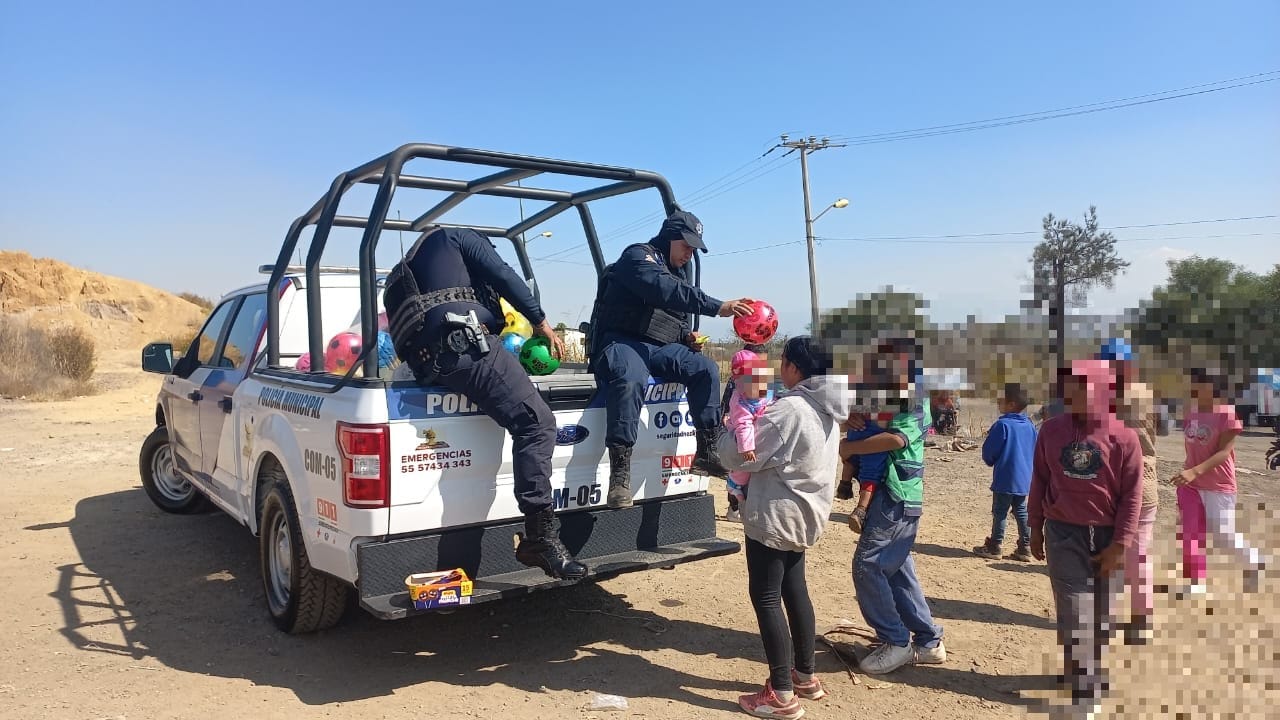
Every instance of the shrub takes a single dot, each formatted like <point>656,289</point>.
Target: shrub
<point>41,365</point>
<point>197,300</point>
<point>72,353</point>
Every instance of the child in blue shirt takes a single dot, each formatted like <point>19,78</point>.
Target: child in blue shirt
<point>1010,449</point>
<point>869,469</point>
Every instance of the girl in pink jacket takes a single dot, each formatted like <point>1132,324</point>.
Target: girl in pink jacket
<point>751,395</point>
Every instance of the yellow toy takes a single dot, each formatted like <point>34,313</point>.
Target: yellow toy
<point>515,322</point>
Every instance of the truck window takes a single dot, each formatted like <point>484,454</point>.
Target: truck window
<point>207,341</point>
<point>245,331</point>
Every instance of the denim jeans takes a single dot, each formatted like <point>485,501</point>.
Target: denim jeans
<point>884,576</point>
<point>1001,504</point>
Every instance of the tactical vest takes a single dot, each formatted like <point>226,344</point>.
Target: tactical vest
<point>430,281</point>
<point>618,310</point>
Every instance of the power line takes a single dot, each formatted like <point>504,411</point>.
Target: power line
<point>693,199</point>
<point>1024,242</point>
<point>1042,115</point>
<point>952,238</point>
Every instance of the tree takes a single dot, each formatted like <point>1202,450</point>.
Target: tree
<point>1071,260</point>
<point>1214,312</point>
<point>561,327</point>
<point>874,316</point>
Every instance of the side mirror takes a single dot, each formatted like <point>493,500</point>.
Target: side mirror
<point>158,358</point>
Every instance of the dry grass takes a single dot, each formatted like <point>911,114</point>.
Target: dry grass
<point>181,341</point>
<point>197,300</point>
<point>38,364</point>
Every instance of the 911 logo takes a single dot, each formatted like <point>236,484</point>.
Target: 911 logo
<point>671,462</point>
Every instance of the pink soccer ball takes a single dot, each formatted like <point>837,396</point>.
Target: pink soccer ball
<point>758,327</point>
<point>304,363</point>
<point>342,352</point>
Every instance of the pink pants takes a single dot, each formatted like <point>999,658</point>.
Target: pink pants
<point>1137,565</point>
<point>1202,512</point>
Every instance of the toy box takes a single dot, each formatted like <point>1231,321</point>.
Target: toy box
<point>439,589</point>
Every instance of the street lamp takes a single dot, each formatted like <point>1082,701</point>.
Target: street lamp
<point>808,238</point>
<point>838,205</point>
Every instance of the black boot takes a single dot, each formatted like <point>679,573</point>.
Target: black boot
<point>619,477</point>
<point>541,547</point>
<point>707,461</point>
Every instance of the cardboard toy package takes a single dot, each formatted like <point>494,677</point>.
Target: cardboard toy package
<point>439,589</point>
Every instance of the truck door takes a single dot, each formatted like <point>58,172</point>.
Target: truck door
<point>219,438</point>
<point>183,389</point>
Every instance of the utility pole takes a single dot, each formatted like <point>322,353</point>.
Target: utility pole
<point>806,146</point>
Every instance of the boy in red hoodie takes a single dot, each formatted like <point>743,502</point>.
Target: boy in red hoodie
<point>1086,496</point>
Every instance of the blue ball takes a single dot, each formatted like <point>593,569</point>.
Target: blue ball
<point>386,350</point>
<point>513,342</point>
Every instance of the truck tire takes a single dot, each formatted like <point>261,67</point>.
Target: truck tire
<point>160,479</point>
<point>300,599</point>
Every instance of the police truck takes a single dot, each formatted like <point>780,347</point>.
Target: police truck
<point>355,479</point>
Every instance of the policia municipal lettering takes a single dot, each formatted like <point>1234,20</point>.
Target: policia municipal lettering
<point>442,306</point>
<point>639,327</point>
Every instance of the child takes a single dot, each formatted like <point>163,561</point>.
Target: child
<point>1135,407</point>
<point>733,513</point>
<point>868,469</point>
<point>1008,449</point>
<point>1086,494</point>
<point>884,576</point>
<point>1207,485</point>
<point>751,395</point>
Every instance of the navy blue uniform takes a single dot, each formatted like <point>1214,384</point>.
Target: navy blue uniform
<point>495,382</point>
<point>622,361</point>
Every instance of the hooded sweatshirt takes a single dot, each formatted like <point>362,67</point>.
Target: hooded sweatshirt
<point>1088,468</point>
<point>1008,449</point>
<point>797,453</point>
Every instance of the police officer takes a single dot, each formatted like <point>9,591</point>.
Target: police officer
<point>639,328</point>
<point>442,306</point>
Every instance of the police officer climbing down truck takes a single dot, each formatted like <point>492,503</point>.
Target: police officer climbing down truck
<point>639,327</point>
<point>442,306</point>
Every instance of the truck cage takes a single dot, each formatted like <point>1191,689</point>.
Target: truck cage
<point>386,173</point>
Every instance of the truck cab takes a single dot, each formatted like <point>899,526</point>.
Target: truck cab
<point>354,478</point>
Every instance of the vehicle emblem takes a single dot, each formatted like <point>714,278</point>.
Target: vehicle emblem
<point>571,435</point>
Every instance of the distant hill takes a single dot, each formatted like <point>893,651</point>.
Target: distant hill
<point>119,314</point>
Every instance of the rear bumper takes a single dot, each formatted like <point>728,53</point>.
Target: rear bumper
<point>655,534</point>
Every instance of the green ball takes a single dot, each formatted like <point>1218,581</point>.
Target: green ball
<point>536,357</point>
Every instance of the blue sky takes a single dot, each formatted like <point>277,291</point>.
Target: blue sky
<point>173,143</point>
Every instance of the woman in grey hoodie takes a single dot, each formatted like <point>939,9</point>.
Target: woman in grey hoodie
<point>784,512</point>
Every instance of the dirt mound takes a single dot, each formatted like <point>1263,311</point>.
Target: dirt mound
<point>119,314</point>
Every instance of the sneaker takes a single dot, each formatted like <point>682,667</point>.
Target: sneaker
<point>733,515</point>
<point>767,704</point>
<point>1138,631</point>
<point>1022,554</point>
<point>886,658</point>
<point>987,549</point>
<point>1252,580</point>
<point>811,690</point>
<point>1189,590</point>
<point>930,656</point>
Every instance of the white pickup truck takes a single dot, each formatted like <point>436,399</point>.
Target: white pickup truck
<point>353,482</point>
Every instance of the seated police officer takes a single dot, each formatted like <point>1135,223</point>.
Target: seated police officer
<point>639,328</point>
<point>442,306</point>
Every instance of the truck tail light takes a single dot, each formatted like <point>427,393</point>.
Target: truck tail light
<point>366,465</point>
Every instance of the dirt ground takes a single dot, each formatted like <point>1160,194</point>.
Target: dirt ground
<point>114,609</point>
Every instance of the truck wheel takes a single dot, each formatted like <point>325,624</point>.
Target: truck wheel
<point>301,600</point>
<point>170,491</point>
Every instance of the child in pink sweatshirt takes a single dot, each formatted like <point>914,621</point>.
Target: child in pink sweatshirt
<point>751,395</point>
<point>1084,505</point>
